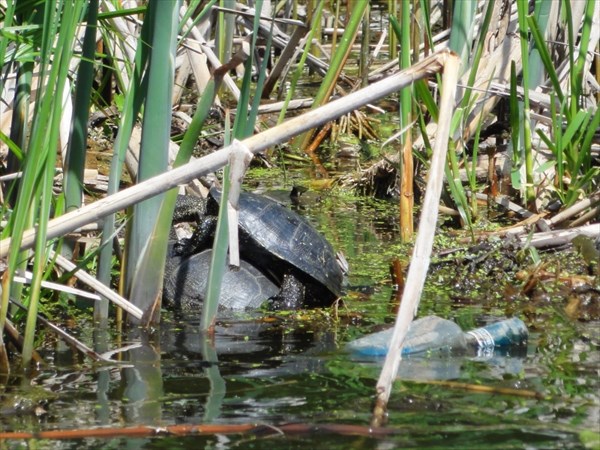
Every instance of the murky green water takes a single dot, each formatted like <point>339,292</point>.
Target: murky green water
<point>279,369</point>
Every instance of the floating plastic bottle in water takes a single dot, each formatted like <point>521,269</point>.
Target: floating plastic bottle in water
<point>434,334</point>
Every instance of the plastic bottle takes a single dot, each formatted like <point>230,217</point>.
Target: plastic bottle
<point>434,334</point>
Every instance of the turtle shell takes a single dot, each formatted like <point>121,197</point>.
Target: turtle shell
<point>277,239</point>
<point>242,288</point>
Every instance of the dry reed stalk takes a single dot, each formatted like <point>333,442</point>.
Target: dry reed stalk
<point>423,245</point>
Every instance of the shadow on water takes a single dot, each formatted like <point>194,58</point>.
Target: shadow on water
<point>293,368</point>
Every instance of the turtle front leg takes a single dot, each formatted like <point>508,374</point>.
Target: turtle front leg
<point>291,296</point>
<point>200,240</point>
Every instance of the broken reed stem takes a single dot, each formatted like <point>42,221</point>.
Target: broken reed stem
<point>483,389</point>
<point>424,243</point>
<point>99,287</point>
<point>84,349</point>
<point>204,430</point>
<point>311,150</point>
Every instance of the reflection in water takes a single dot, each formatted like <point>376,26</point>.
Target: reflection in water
<point>103,409</point>
<point>253,348</point>
<point>216,394</point>
<point>446,367</point>
<point>274,371</point>
<point>247,346</point>
<point>142,380</point>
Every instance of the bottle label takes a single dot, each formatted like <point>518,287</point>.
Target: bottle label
<point>483,337</point>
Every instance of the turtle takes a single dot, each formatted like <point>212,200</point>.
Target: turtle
<point>242,288</point>
<point>279,243</point>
